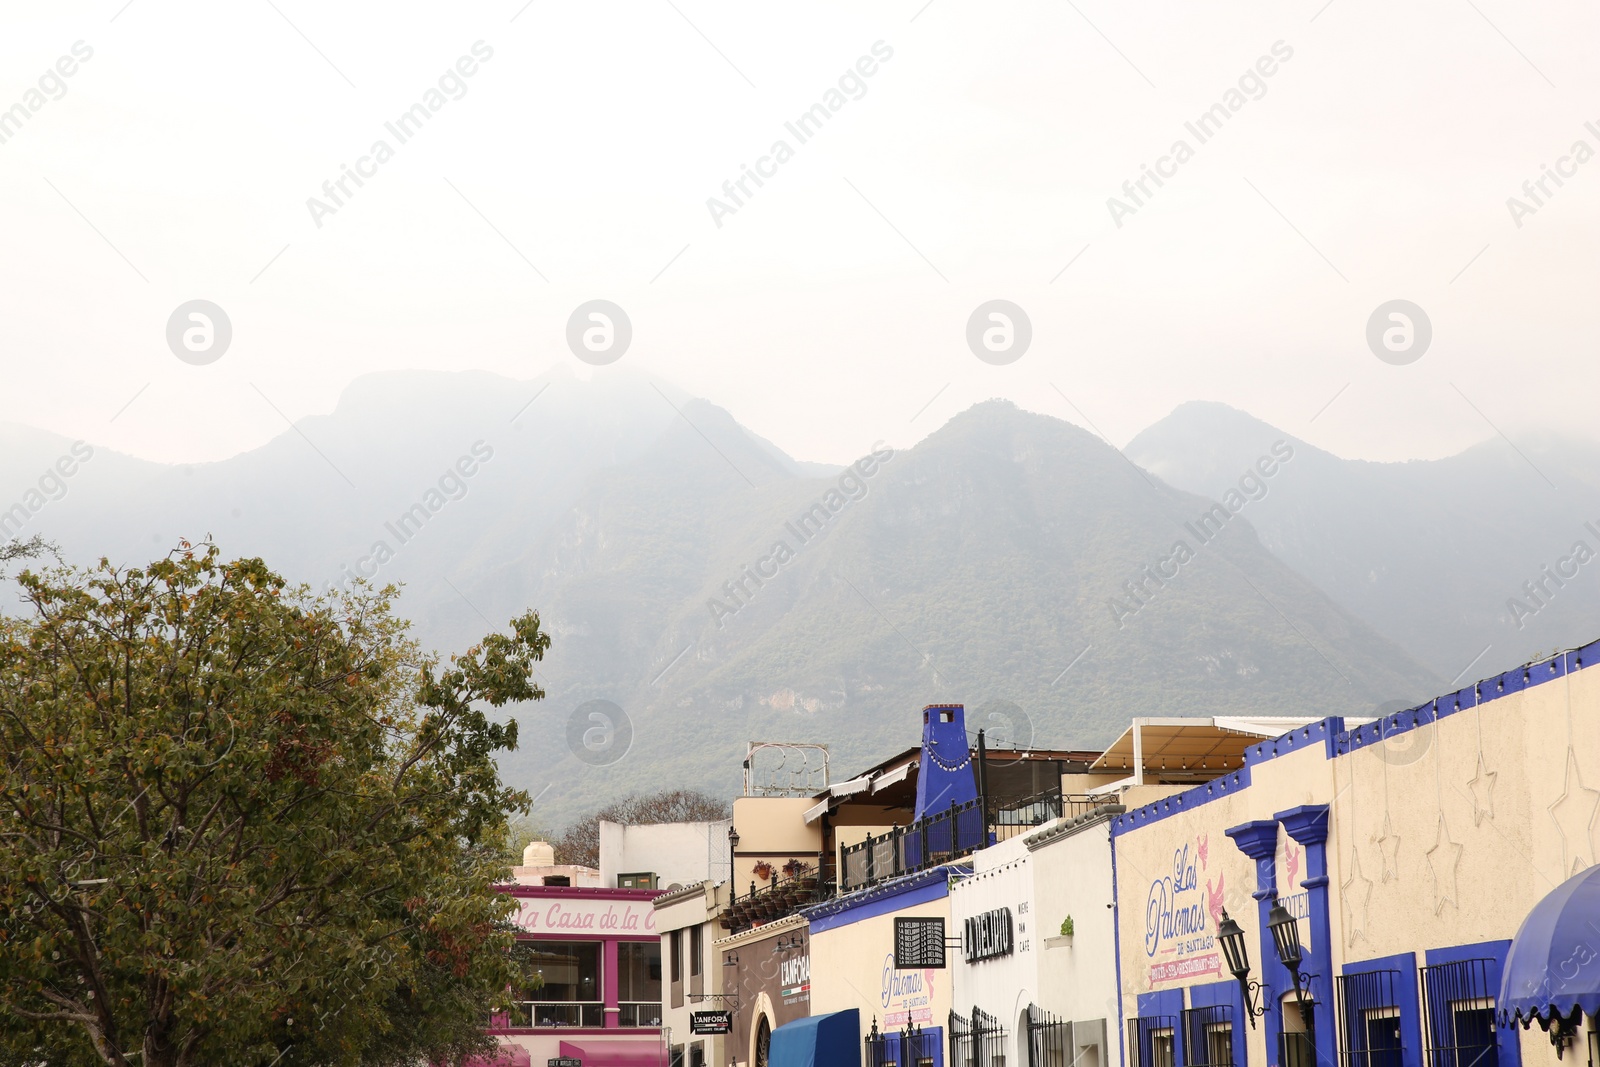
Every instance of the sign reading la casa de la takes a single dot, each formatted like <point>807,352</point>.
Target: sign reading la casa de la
<point>585,916</point>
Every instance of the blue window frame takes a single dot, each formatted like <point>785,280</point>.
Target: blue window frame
<point>1459,986</point>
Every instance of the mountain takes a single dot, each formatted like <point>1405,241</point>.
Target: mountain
<point>718,591</point>
<point>1444,557</point>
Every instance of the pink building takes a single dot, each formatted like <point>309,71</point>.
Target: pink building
<point>591,958</point>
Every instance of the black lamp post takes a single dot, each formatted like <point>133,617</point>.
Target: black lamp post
<point>1286,939</point>
<point>1238,958</point>
<point>733,847</point>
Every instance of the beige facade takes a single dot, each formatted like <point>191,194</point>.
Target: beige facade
<point>1408,851</point>
<point>688,921</point>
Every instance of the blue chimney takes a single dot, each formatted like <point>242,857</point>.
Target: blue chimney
<point>945,775</point>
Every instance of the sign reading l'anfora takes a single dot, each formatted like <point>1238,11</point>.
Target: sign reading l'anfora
<point>987,935</point>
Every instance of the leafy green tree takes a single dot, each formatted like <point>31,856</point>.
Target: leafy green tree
<point>241,823</point>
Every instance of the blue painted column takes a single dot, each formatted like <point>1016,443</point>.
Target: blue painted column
<point>1259,841</point>
<point>1308,826</point>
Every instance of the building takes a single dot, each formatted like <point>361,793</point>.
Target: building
<point>688,921</point>
<point>591,961</point>
<point>1411,892</point>
<point>1033,980</point>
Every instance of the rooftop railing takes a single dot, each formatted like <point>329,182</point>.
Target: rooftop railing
<point>934,839</point>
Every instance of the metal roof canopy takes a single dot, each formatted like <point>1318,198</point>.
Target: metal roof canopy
<point>1175,745</point>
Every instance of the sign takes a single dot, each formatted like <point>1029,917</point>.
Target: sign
<point>987,935</point>
<point>908,994</point>
<point>1181,914</point>
<point>918,943</point>
<point>710,1022</point>
<point>564,1061</point>
<point>795,974</point>
<point>586,917</point>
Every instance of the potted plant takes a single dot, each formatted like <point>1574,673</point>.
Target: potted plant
<point>1064,938</point>
<point>793,868</point>
<point>763,871</point>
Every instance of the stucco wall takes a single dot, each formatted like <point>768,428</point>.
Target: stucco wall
<point>681,852</point>
<point>852,966</point>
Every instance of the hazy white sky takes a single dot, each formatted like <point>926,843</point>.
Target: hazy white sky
<point>832,306</point>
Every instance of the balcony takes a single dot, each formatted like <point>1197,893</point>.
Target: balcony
<point>639,1013</point>
<point>543,1014</point>
<point>926,843</point>
<point>779,898</point>
<point>1018,817</point>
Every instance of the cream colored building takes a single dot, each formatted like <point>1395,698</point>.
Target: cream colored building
<point>1405,853</point>
<point>688,921</point>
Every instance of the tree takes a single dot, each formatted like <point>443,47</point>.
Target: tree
<point>581,842</point>
<point>243,824</point>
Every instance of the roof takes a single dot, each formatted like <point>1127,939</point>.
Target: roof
<point>1194,744</point>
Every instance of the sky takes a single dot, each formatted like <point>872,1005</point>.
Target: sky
<point>1359,153</point>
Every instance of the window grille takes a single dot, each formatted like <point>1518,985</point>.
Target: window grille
<point>912,1047</point>
<point>1150,1041</point>
<point>1208,1036</point>
<point>1369,1019</point>
<point>1050,1040</point>
<point>1458,1013</point>
<point>977,1042</point>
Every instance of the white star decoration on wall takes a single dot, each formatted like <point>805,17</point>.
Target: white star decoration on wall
<point>1443,859</point>
<point>1356,893</point>
<point>1389,846</point>
<point>1482,786</point>
<point>1573,813</point>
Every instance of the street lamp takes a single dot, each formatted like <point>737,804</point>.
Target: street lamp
<point>1286,939</point>
<point>1238,956</point>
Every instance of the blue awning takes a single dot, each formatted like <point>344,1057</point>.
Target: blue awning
<point>832,1040</point>
<point>1553,967</point>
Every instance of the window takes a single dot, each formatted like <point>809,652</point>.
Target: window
<point>560,984</point>
<point>557,879</point>
<point>1594,1044</point>
<point>697,1054</point>
<point>1150,1041</point>
<point>1458,1009</point>
<point>1369,1019</point>
<point>639,982</point>
<point>1208,1036</point>
<point>695,950</point>
<point>675,951</point>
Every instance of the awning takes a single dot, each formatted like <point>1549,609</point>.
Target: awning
<point>821,1041</point>
<point>883,781</point>
<point>615,1052</point>
<point>508,1056</point>
<point>1550,970</point>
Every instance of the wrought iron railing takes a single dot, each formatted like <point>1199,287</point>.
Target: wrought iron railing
<point>911,1047</point>
<point>639,1013</point>
<point>780,897</point>
<point>1019,816</point>
<point>1458,1013</point>
<point>977,1042</point>
<point>1050,1040</point>
<point>934,839</point>
<point>1369,1019</point>
<point>549,1013</point>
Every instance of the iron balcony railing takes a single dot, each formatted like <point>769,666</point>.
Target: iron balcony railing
<point>547,1013</point>
<point>1020,816</point>
<point>934,839</point>
<point>639,1013</point>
